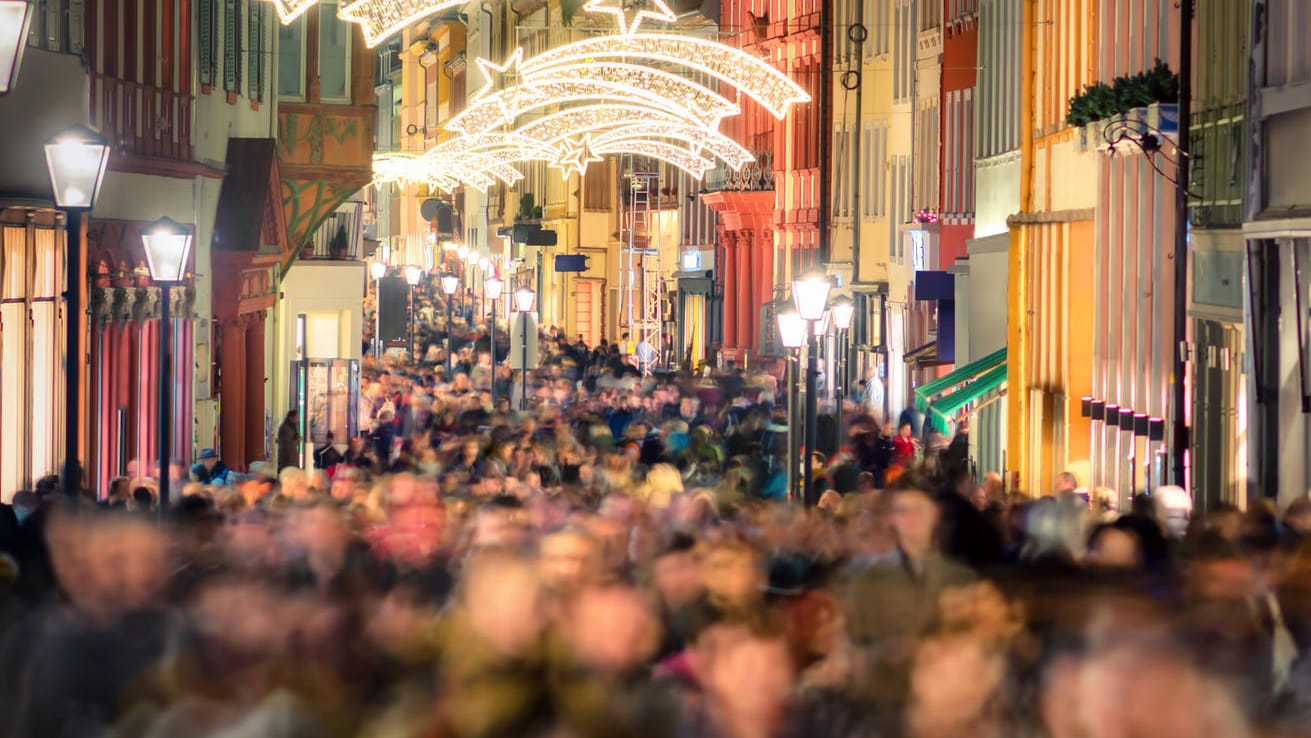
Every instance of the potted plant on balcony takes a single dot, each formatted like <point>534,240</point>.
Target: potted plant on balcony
<point>339,245</point>
<point>1149,98</point>
<point>529,211</point>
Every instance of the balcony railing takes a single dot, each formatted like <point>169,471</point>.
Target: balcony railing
<point>756,176</point>
<point>342,234</point>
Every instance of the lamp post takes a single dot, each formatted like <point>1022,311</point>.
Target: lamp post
<point>810,296</point>
<point>450,285</point>
<point>167,245</point>
<point>76,160</point>
<point>15,17</point>
<point>412,276</point>
<point>492,288</point>
<point>843,310</point>
<point>792,334</point>
<point>377,270</point>
<point>523,299</point>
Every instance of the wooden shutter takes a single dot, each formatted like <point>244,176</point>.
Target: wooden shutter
<point>205,23</point>
<point>256,52</point>
<point>232,46</point>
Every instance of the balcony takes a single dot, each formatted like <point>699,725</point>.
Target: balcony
<point>757,176</point>
<point>340,237</point>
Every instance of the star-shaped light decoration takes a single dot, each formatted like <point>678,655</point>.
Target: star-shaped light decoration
<point>630,13</point>
<point>576,156</point>
<point>496,73</point>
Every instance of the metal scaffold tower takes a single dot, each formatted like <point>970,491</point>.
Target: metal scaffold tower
<point>644,280</point>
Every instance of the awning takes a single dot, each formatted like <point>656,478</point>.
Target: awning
<point>928,350</point>
<point>925,393</point>
<point>990,385</point>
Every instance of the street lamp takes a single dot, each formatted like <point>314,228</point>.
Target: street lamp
<point>15,17</point>
<point>792,334</point>
<point>412,276</point>
<point>523,299</point>
<point>492,288</point>
<point>167,245</point>
<point>76,160</point>
<point>810,295</point>
<point>843,310</point>
<point>450,284</point>
<point>377,270</point>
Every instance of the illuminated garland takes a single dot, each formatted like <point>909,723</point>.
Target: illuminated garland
<point>627,82</point>
<point>629,93</point>
<point>575,157</point>
<point>380,19</point>
<point>290,10</point>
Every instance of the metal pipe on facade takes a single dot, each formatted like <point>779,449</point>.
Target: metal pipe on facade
<point>1178,389</point>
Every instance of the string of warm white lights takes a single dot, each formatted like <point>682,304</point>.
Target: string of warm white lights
<point>694,165</point>
<point>290,10</point>
<point>575,156</point>
<point>628,82</point>
<point>751,75</point>
<point>630,93</point>
<point>726,149</point>
<point>380,19</point>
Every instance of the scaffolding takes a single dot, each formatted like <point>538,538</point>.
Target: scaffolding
<point>644,288</point>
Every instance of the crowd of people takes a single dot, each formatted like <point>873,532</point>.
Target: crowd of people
<point>623,558</point>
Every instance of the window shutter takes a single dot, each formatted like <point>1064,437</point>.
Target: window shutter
<point>232,46</point>
<point>256,53</point>
<point>205,44</point>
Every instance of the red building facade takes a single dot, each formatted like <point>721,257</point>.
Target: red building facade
<point>768,225</point>
<point>960,47</point>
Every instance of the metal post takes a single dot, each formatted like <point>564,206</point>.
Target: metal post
<point>450,336</point>
<point>72,356</point>
<point>410,322</point>
<point>792,461</point>
<point>492,319</point>
<point>377,320</point>
<point>812,415</point>
<point>1179,394</point>
<point>523,363</point>
<point>840,378</point>
<point>165,398</point>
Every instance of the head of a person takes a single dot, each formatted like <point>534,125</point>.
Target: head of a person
<point>568,560</point>
<point>904,430</point>
<point>676,571</point>
<point>914,515</point>
<point>1112,547</point>
<point>208,458</point>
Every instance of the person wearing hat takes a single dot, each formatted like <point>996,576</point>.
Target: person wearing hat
<point>210,469</point>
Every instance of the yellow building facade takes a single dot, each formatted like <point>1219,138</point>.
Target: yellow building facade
<point>1050,293</point>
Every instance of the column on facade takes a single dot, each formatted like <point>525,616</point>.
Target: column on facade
<point>232,413</point>
<point>763,286</point>
<point>746,275</point>
<point>255,411</point>
<point>729,329</point>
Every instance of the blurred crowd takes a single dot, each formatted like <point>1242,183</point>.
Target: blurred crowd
<point>622,559</point>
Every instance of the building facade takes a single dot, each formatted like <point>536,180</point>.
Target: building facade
<point>1277,232</point>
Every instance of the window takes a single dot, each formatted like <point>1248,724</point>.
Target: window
<point>255,63</point>
<point>598,186</point>
<point>876,154</point>
<point>206,27</point>
<point>291,59</point>
<point>334,54</point>
<point>904,51</point>
<point>430,93</point>
<point>31,352</point>
<point>880,26</point>
<point>232,45</point>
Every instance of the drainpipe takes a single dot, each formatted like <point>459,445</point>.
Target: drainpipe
<point>825,131</point>
<point>1017,333</point>
<point>1178,390</point>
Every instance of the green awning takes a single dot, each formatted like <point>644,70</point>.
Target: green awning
<point>970,372</point>
<point>943,410</point>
